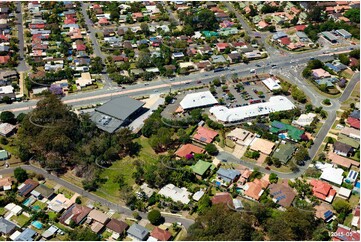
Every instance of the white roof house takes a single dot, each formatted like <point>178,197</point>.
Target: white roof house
<point>84,80</point>
<point>6,89</point>
<point>15,235</point>
<point>175,193</point>
<point>14,209</point>
<point>272,84</point>
<point>198,195</point>
<point>199,99</point>
<point>344,192</point>
<point>330,174</point>
<point>305,119</point>
<point>275,104</point>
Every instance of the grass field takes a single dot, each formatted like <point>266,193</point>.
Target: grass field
<point>40,204</point>
<point>126,168</point>
<point>21,220</point>
<point>354,98</point>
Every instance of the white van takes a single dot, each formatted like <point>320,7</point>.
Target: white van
<point>252,71</point>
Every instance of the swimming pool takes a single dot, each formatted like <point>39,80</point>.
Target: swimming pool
<point>37,224</point>
<point>358,185</point>
<point>29,201</point>
<point>282,136</point>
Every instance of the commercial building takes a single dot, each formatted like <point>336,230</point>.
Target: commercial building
<point>232,115</point>
<point>197,100</point>
<point>329,36</point>
<point>116,113</point>
<point>272,84</point>
<point>344,33</point>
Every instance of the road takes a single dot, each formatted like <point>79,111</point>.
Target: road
<point>116,207</point>
<point>107,81</point>
<point>22,67</point>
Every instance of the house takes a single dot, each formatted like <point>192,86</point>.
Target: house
<point>103,21</point>
<point>98,216</point>
<point>116,226</point>
<point>324,211</point>
<point>218,59</point>
<point>330,174</point>
<point>344,193</point>
<point>27,235</point>
<point>304,119</point>
<point>200,168</point>
<point>198,195</point>
<point>342,161</point>
<point>286,131</point>
<point>323,190</point>
<point>344,233</point>
<point>255,189</point>
<point>13,209</point>
<point>279,35</point>
<point>42,191</point>
<point>234,57</point>
<point>160,234</point>
<point>222,46</point>
<point>262,145</point>
<point>223,197</point>
<point>284,152</point>
<point>262,24</point>
<point>284,41</point>
<point>26,188</point>
<point>241,136</point>
<point>300,27</point>
<point>98,220</point>
<point>228,176</point>
<point>117,112</point>
<point>320,73</point>
<point>351,177</point>
<point>197,100</point>
<point>76,213</point>
<point>282,194</point>
<point>204,135</point>
<point>355,114</point>
<point>356,217</point>
<point>50,232</point>
<point>137,16</point>
<point>353,122</point>
<point>175,193</point>
<point>4,155</point>
<point>5,183</point>
<point>349,141</point>
<point>138,232</point>
<point>60,202</point>
<point>84,80</point>
<point>146,191</point>
<point>342,149</point>
<point>6,227</point>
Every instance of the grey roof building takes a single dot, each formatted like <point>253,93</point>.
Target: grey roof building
<point>279,35</point>
<point>138,232</point>
<point>228,175</point>
<point>26,235</point>
<point>116,113</point>
<point>344,33</point>
<point>6,227</point>
<point>330,36</point>
<point>43,191</point>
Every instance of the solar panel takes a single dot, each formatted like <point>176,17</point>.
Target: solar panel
<point>354,175</point>
<point>279,125</point>
<point>203,139</point>
<point>328,214</point>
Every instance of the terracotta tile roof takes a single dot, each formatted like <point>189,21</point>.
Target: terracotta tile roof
<point>285,40</point>
<point>300,27</point>
<point>254,190</point>
<point>322,189</point>
<point>353,122</point>
<point>283,193</point>
<point>160,234</point>
<point>223,197</point>
<point>189,149</point>
<point>222,45</point>
<point>342,161</point>
<point>6,181</point>
<point>205,135</point>
<point>4,59</point>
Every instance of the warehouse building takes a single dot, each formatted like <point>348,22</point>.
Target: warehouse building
<point>198,100</point>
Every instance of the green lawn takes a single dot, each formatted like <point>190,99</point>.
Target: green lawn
<point>52,216</point>
<point>40,204</point>
<point>68,194</point>
<point>126,168</point>
<point>2,211</point>
<point>21,220</point>
<point>354,200</point>
<point>348,220</point>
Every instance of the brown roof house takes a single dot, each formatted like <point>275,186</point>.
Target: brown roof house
<point>97,219</point>
<point>117,227</point>
<point>282,194</point>
<point>342,148</point>
<point>76,213</point>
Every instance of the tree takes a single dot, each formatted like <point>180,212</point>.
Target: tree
<point>161,140</point>
<point>7,117</point>
<point>20,117</point>
<point>355,54</point>
<point>220,223</point>
<point>145,28</point>
<point>341,206</point>
<point>78,200</point>
<point>20,174</point>
<point>273,178</point>
<point>207,20</point>
<point>96,65</point>
<point>83,234</point>
<point>301,155</point>
<point>327,101</point>
<point>7,100</point>
<point>344,59</point>
<point>143,59</point>
<point>155,217</point>
<point>353,15</point>
<point>315,14</point>
<point>211,149</point>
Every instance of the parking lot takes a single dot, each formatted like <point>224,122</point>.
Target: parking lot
<point>242,93</point>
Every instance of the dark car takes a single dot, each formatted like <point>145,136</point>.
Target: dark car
<point>267,168</point>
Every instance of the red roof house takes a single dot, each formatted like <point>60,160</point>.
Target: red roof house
<point>160,234</point>
<point>353,122</point>
<point>103,21</point>
<point>300,27</point>
<point>4,59</point>
<point>344,233</point>
<point>80,47</point>
<point>223,197</point>
<point>323,190</point>
<point>205,135</point>
<point>187,149</point>
<point>285,41</point>
<point>221,46</point>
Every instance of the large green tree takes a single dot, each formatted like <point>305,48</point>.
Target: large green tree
<point>83,234</point>
<point>7,117</point>
<point>50,132</point>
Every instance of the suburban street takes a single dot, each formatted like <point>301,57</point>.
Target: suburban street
<point>116,207</point>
